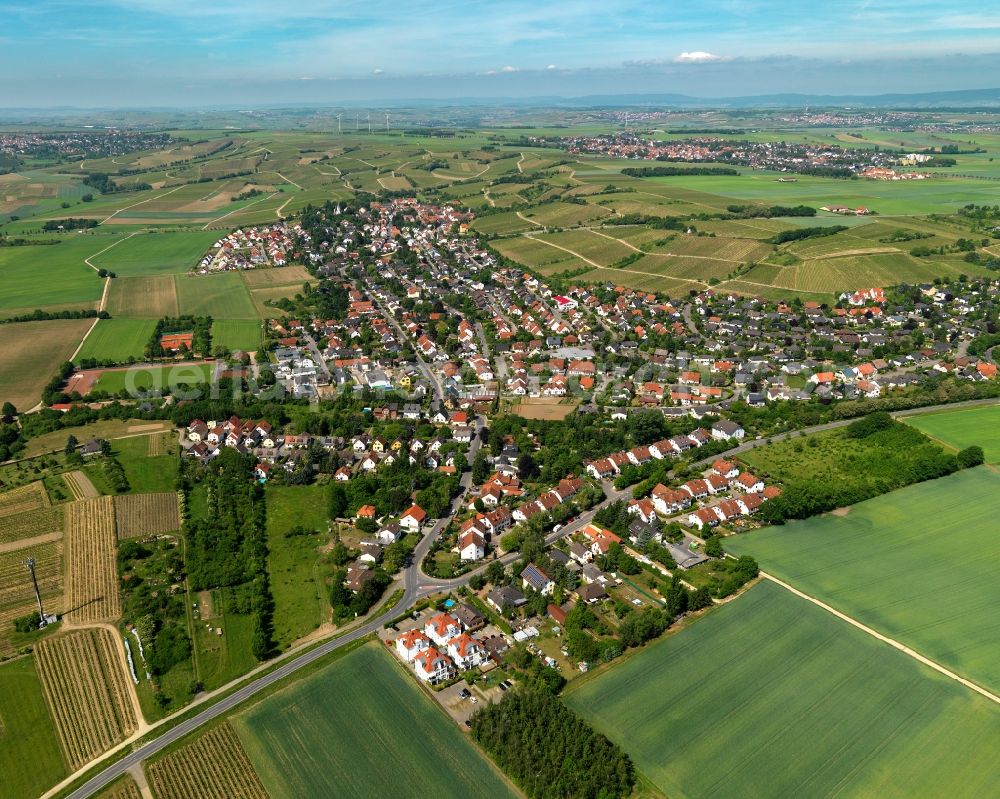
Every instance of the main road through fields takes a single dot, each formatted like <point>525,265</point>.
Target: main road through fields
<point>417,585</point>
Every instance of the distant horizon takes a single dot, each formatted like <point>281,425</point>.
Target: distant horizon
<point>671,101</point>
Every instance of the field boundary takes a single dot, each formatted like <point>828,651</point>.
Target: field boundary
<point>884,638</point>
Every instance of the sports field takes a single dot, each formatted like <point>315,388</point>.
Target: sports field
<point>919,565</point>
<point>772,696</point>
<point>145,378</point>
<point>360,727</point>
<point>964,428</point>
<point>236,334</point>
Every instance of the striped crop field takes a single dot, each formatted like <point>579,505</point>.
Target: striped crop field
<point>918,564</point>
<point>771,695</point>
<point>212,766</point>
<point>91,549</point>
<point>361,727</point>
<point>146,514</point>
<point>84,679</point>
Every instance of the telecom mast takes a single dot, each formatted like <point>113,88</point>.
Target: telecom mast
<point>43,619</point>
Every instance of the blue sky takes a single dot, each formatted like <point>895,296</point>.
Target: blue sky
<point>198,52</point>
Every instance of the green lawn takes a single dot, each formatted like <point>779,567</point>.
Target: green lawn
<point>919,564</point>
<point>147,474</point>
<point>160,253</point>
<point>161,378</point>
<point>225,657</point>
<point>361,727</point>
<point>118,339</point>
<point>772,696</point>
<point>30,759</point>
<point>223,296</point>
<point>964,428</point>
<point>236,334</point>
<point>294,563</point>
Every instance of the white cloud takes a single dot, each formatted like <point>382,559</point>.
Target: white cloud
<point>697,57</point>
<point>551,66</point>
<point>378,72</point>
<point>509,68</point>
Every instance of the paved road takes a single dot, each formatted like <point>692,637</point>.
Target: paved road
<point>317,355</point>
<point>417,585</point>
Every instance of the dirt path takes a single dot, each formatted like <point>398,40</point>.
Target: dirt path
<point>533,222</point>
<point>23,543</point>
<point>140,781</point>
<point>846,253</point>
<point>519,162</point>
<point>141,202</point>
<point>620,241</point>
<point>104,294</point>
<point>891,641</point>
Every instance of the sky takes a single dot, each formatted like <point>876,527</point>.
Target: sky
<point>187,53</point>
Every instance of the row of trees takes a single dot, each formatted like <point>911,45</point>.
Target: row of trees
<point>227,547</point>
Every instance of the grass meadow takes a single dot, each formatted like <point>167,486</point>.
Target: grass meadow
<point>294,563</point>
<point>918,564</point>
<point>52,276</point>
<point>223,296</point>
<point>118,339</point>
<point>236,334</point>
<point>361,727</point>
<point>771,695</point>
<point>964,428</point>
<point>30,759</point>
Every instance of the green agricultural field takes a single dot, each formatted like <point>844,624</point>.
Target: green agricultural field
<point>236,334</point>
<point>118,339</point>
<point>223,296</point>
<point>164,253</point>
<point>964,428</point>
<point>53,276</point>
<point>145,378</point>
<point>361,727</point>
<point>295,565</point>
<point>29,750</point>
<point>919,565</point>
<point>771,695</point>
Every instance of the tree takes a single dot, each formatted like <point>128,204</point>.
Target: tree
<point>71,444</point>
<point>480,468</point>
<point>527,469</point>
<point>713,546</point>
<point>495,572</point>
<point>336,500</point>
<point>971,456</point>
<point>8,409</point>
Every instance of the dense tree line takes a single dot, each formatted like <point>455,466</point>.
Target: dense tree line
<point>798,234</point>
<point>72,223</point>
<point>105,184</point>
<point>894,455</point>
<point>672,171</point>
<point>767,212</point>
<point>39,315</point>
<point>228,546</point>
<point>549,751</point>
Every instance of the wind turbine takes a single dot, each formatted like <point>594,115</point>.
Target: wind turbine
<point>386,121</point>
<point>626,120</point>
<point>369,121</point>
<point>338,121</point>
<point>357,121</point>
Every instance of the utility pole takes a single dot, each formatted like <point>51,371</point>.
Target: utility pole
<point>43,619</point>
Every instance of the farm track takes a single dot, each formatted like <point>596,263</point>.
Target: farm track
<point>84,681</point>
<point>91,549</point>
<point>208,224</point>
<point>26,543</point>
<point>213,766</point>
